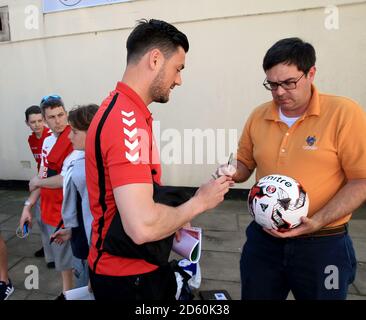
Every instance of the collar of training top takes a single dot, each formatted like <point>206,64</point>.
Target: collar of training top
<point>125,89</point>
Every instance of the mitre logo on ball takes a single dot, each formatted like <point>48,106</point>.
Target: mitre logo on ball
<point>278,202</point>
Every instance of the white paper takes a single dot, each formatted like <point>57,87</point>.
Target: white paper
<point>81,293</point>
<point>189,245</point>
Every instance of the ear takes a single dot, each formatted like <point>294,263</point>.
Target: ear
<point>156,59</point>
<point>311,73</point>
<point>26,122</point>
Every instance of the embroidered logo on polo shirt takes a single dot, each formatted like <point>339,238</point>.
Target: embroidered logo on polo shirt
<point>131,141</point>
<point>310,141</point>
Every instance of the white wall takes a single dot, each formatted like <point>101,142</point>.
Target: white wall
<point>80,54</point>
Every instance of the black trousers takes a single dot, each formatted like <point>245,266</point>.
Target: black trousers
<point>156,285</point>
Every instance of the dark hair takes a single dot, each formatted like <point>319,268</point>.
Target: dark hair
<point>53,101</point>
<point>81,116</point>
<point>154,34</point>
<point>32,110</point>
<point>290,51</point>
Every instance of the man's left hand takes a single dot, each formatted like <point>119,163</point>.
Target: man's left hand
<point>307,226</point>
<point>34,183</point>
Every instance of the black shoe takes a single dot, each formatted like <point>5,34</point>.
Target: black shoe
<point>61,297</point>
<point>51,265</point>
<point>39,253</point>
<point>5,290</point>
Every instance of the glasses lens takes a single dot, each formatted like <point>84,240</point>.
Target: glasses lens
<point>288,85</point>
<point>270,86</point>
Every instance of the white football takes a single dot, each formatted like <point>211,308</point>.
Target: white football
<point>278,202</point>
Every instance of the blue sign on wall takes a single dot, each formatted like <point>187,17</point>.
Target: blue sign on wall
<point>59,5</point>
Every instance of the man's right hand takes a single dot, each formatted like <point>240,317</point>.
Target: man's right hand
<point>212,193</point>
<point>236,170</point>
<point>62,236</point>
<point>26,216</point>
<point>226,170</point>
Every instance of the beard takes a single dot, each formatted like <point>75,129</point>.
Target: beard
<point>157,91</point>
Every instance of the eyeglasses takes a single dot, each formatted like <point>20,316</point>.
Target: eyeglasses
<point>286,85</point>
<point>50,97</point>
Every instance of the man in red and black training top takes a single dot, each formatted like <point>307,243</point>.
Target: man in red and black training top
<point>34,120</point>
<point>56,156</point>
<point>122,164</point>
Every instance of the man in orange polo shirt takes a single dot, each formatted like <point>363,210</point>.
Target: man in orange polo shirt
<point>319,140</point>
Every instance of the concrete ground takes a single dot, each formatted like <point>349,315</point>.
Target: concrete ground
<point>223,238</point>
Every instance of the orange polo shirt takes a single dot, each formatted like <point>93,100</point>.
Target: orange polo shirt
<point>323,149</point>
